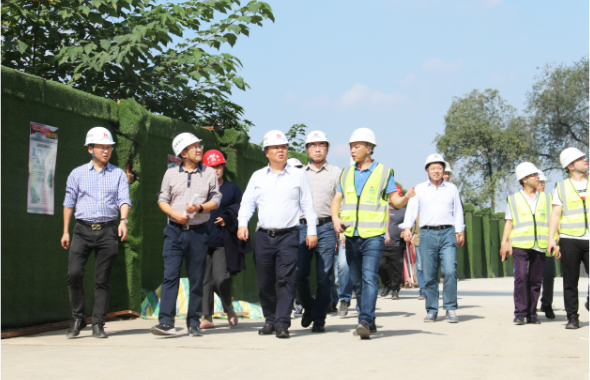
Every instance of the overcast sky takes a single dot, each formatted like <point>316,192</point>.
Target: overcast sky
<point>395,66</point>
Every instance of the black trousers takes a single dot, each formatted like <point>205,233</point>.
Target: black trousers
<point>393,256</point>
<point>573,252</point>
<point>104,243</point>
<point>217,279</point>
<point>548,281</point>
<point>276,262</point>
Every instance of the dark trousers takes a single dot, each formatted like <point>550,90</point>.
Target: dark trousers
<point>548,281</point>
<point>573,252</point>
<point>394,257</point>
<point>324,255</point>
<point>105,245</point>
<point>181,245</point>
<point>217,279</point>
<point>276,261</point>
<point>528,275</point>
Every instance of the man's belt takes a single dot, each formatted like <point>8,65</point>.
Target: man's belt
<point>321,221</point>
<point>186,227</point>
<point>282,231</point>
<point>437,227</point>
<point>97,226</point>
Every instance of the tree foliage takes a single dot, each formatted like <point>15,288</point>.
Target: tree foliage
<point>558,109</point>
<point>296,143</point>
<point>487,137</point>
<point>156,53</point>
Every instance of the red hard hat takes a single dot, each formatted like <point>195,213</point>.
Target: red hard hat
<point>213,157</point>
<point>399,190</point>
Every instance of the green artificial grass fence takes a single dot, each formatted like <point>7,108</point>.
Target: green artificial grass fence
<point>34,266</point>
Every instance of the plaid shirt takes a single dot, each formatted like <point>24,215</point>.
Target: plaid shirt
<point>96,196</point>
<point>179,186</point>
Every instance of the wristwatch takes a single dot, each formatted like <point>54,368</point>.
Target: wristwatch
<point>200,209</point>
<point>124,220</point>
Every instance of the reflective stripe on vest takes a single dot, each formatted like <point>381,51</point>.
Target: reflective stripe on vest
<point>528,228</point>
<point>369,218</point>
<point>574,216</point>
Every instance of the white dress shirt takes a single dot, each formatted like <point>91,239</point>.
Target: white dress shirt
<point>279,198</point>
<point>437,206</point>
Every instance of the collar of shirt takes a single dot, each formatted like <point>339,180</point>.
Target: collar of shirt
<point>199,168</point>
<point>108,166</point>
<point>369,169</point>
<point>529,198</point>
<point>325,166</point>
<point>443,184</point>
<point>287,170</point>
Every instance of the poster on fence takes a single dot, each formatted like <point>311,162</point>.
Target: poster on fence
<point>173,161</point>
<point>42,155</point>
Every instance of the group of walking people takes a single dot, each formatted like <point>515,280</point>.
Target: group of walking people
<point>302,213</point>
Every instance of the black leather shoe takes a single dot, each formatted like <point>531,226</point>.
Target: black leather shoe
<point>77,325</point>
<point>386,290</point>
<point>267,329</point>
<point>548,310</point>
<point>533,320</point>
<point>318,329</point>
<point>572,323</point>
<point>306,319</point>
<point>282,332</point>
<point>195,331</point>
<point>98,331</point>
<point>518,320</point>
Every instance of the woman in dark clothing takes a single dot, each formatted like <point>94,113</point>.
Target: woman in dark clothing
<point>217,276</point>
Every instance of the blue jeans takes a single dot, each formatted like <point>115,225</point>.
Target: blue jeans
<point>342,276</point>
<point>439,248</point>
<point>324,252</point>
<point>363,257</point>
<point>419,270</point>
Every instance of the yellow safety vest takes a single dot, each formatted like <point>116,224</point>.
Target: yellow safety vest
<point>574,214</point>
<point>367,213</point>
<point>528,228</point>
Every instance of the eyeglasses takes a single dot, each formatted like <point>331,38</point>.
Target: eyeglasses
<point>318,146</point>
<point>102,149</point>
<point>198,147</point>
<point>534,175</point>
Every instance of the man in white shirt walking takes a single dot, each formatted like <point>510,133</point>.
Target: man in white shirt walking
<point>441,225</point>
<point>280,192</point>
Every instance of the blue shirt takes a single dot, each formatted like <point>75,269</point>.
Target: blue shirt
<point>360,178</point>
<point>231,194</point>
<point>279,198</point>
<point>96,196</point>
<point>437,205</point>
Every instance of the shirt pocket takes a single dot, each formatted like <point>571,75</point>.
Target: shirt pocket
<point>110,191</point>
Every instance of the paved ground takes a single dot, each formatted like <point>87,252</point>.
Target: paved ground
<point>484,345</point>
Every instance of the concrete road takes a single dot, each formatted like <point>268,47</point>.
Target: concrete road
<point>484,345</point>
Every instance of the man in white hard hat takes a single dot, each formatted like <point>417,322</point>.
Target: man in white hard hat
<point>323,180</point>
<point>549,271</point>
<point>280,193</point>
<point>98,191</point>
<point>441,225</point>
<point>359,210</point>
<point>187,195</point>
<point>525,239</point>
<point>447,173</point>
<point>570,212</point>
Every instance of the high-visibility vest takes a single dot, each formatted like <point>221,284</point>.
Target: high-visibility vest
<point>367,213</point>
<point>528,228</point>
<point>574,213</point>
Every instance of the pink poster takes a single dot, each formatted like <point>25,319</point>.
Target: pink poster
<point>42,155</point>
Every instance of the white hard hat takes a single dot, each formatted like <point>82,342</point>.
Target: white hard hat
<point>99,135</point>
<point>316,136</point>
<point>183,140</point>
<point>435,158</point>
<point>363,134</point>
<point>525,169</point>
<point>542,176</point>
<point>295,162</point>
<point>274,138</point>
<point>448,167</point>
<point>569,155</point>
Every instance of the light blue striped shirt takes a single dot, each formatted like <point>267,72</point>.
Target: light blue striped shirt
<point>96,196</point>
<point>280,198</point>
